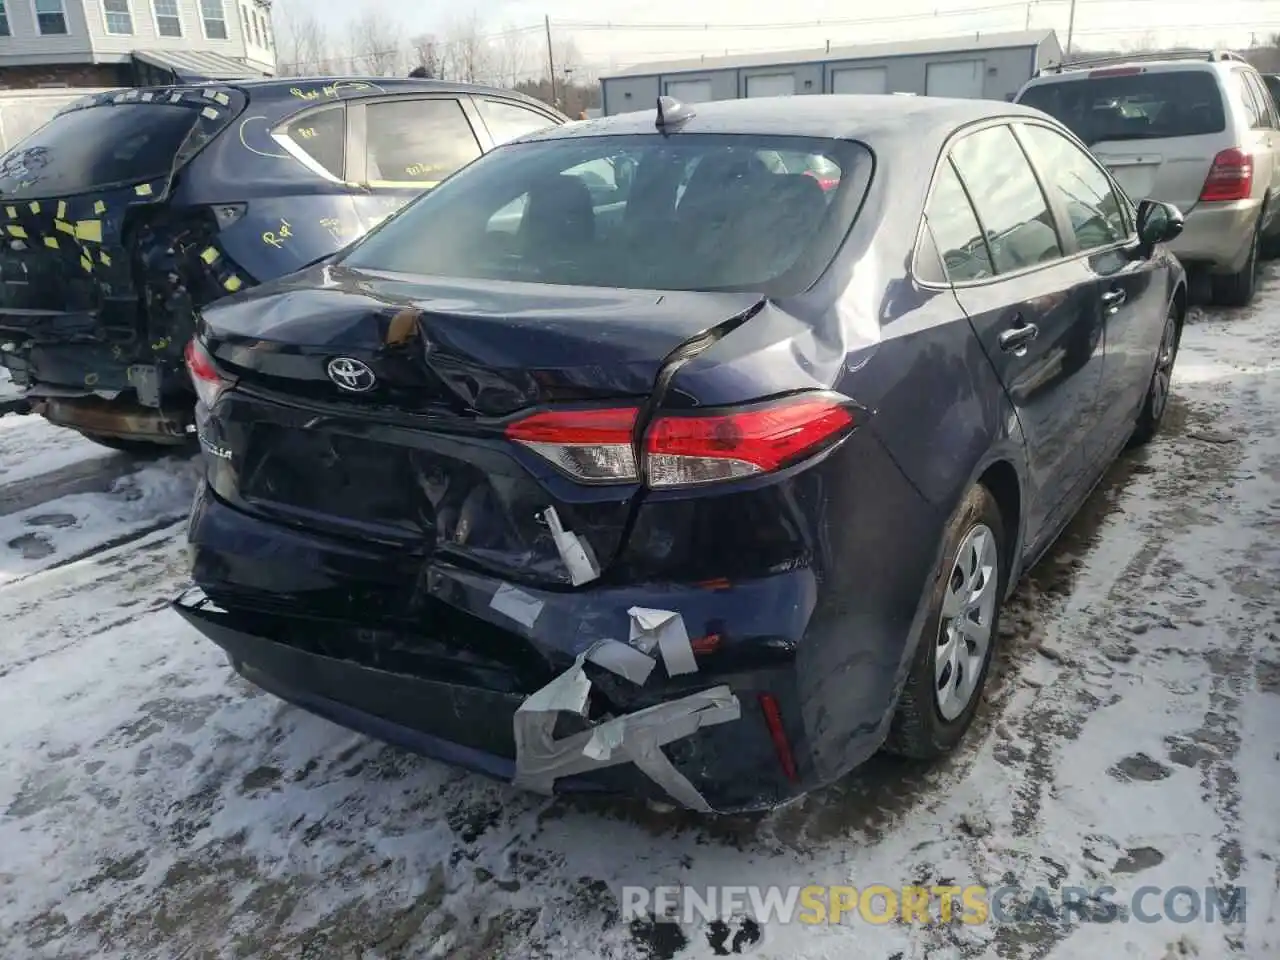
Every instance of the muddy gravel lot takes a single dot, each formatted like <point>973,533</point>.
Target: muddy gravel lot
<point>152,804</point>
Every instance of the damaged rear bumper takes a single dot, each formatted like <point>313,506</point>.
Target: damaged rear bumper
<point>475,728</point>
<point>480,674</point>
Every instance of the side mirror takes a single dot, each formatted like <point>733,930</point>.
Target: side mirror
<point>1158,222</point>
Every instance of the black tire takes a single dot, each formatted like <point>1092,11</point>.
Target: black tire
<point>919,729</point>
<point>1156,401</point>
<point>1237,289</point>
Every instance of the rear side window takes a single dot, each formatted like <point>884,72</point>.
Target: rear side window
<point>96,148</point>
<point>506,121</point>
<point>1014,214</point>
<point>695,212</point>
<point>321,135</point>
<point>955,231</point>
<point>417,141</point>
<point>1133,106</point>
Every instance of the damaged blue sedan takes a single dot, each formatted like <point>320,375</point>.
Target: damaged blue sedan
<point>687,454</point>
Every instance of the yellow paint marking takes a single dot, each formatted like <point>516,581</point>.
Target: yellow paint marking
<point>209,255</point>
<point>17,231</point>
<point>106,260</point>
<point>62,209</point>
<point>65,227</point>
<point>90,230</point>
<point>233,283</point>
<point>51,243</point>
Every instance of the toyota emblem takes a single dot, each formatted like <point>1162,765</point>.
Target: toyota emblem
<point>352,375</point>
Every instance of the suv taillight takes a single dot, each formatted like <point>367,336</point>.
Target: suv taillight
<point>206,379</point>
<point>596,446</point>
<point>1230,177</point>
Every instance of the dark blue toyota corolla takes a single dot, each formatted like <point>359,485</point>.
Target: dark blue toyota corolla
<point>685,453</point>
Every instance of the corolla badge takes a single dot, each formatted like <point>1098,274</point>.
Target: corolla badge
<point>353,375</point>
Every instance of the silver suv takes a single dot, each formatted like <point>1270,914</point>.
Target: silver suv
<point>1199,130</point>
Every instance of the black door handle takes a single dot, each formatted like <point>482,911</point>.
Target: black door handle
<point>1114,299</point>
<point>1015,339</point>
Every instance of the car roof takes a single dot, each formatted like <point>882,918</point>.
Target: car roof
<point>283,87</point>
<point>828,116</point>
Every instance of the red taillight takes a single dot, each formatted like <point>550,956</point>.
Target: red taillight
<point>826,183</point>
<point>682,450</point>
<point>778,734</point>
<point>208,383</point>
<point>1230,177</point>
<point>598,446</point>
<point>595,446</point>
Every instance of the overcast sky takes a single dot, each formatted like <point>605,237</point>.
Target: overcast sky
<point>607,32</point>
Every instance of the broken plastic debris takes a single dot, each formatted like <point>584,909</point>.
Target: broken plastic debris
<point>581,564</point>
<point>623,660</point>
<point>638,737</point>
<point>515,603</point>
<point>663,629</point>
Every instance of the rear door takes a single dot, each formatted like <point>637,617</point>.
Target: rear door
<point>1033,308</point>
<point>1263,123</point>
<point>404,145</point>
<point>1098,221</point>
<point>1157,129</point>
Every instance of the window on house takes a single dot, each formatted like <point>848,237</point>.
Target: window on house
<point>257,31</point>
<point>168,20</point>
<point>118,17</point>
<point>51,18</point>
<point>4,21</point>
<point>266,31</point>
<point>215,19</point>
<point>244,19</point>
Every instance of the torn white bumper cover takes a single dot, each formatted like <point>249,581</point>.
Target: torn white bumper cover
<point>636,737</point>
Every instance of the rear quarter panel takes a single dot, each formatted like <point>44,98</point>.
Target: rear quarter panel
<point>872,513</point>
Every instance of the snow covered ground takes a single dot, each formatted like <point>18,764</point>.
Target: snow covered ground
<point>153,805</point>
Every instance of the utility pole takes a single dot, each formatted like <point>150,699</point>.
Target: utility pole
<point>1071,29</point>
<point>1027,25</point>
<point>551,60</point>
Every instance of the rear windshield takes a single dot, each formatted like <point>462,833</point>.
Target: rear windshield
<point>687,212</point>
<point>96,148</point>
<point>1139,106</point>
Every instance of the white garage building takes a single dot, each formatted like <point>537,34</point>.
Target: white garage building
<point>990,65</point>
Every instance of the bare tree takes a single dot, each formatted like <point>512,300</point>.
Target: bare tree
<point>425,51</point>
<point>302,41</point>
<point>512,55</point>
<point>467,54</point>
<point>375,43</point>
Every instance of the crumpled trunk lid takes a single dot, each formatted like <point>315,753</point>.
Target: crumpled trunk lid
<point>420,457</point>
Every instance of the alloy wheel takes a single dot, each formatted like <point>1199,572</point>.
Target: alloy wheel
<point>968,615</point>
<point>1164,369</point>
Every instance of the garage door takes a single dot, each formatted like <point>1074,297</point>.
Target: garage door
<point>959,78</point>
<point>772,85</point>
<point>689,91</point>
<point>860,80</point>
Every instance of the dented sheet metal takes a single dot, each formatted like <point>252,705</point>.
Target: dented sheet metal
<point>637,737</point>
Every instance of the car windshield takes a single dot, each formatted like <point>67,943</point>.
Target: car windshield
<point>687,212</point>
<point>1132,106</point>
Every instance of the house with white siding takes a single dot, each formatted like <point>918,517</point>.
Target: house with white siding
<point>110,43</point>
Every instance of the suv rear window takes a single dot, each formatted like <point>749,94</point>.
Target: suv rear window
<point>1137,106</point>
<point>694,212</point>
<point>96,148</point>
